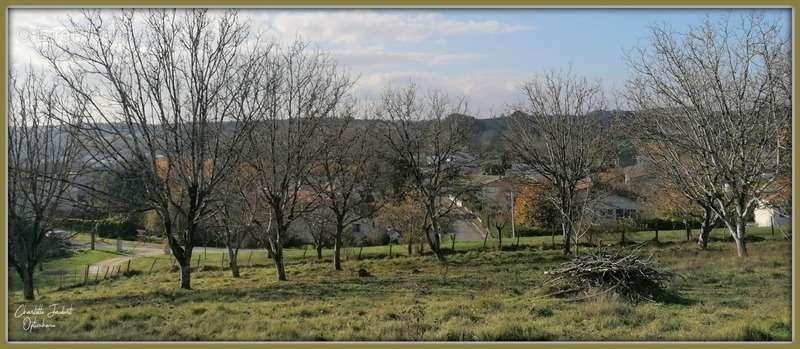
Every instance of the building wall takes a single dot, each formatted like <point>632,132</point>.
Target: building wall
<point>762,217</point>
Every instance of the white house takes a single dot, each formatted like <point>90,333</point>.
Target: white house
<point>764,216</point>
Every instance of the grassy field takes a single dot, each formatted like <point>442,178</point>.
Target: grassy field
<point>477,295</point>
<point>64,270</point>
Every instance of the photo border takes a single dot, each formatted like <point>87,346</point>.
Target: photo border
<point>394,4</point>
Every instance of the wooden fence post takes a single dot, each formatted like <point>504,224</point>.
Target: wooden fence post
<point>129,267</point>
<point>106,273</point>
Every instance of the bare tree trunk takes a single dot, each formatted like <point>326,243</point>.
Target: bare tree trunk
<point>337,250</point>
<point>485,238</point>
<point>234,261</point>
<point>277,256</point>
<point>567,231</point>
<point>319,252</point>
<point>27,283</point>
<point>739,237</point>
<point>688,230</point>
<point>705,229</point>
<point>499,239</point>
<point>186,277</point>
<point>184,258</point>
<point>434,241</point>
<point>434,247</point>
<point>410,246</point>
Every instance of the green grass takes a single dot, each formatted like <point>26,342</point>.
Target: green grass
<point>478,295</point>
<point>69,268</point>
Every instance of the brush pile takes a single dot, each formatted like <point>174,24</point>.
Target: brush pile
<point>622,271</point>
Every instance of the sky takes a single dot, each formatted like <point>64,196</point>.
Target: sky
<point>484,55</point>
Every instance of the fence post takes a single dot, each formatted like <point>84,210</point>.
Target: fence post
<point>86,274</point>
<point>129,267</point>
<point>106,273</point>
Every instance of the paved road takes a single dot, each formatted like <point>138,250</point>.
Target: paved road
<point>466,230</point>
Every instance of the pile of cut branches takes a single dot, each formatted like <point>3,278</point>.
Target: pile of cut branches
<point>621,271</point>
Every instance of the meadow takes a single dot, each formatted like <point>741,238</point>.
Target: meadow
<point>478,295</point>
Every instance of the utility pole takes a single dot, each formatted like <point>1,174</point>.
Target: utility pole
<point>513,230</point>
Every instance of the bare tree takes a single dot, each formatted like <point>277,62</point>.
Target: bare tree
<point>498,216</point>
<point>306,88</point>
<point>345,174</point>
<point>425,135</point>
<point>405,216</point>
<point>558,137</point>
<point>232,221</point>
<point>321,226</point>
<point>43,159</point>
<point>674,170</point>
<point>590,200</point>
<point>715,100</point>
<point>166,92</point>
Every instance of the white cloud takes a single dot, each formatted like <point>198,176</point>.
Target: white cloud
<point>375,57</point>
<point>487,92</point>
<point>382,47</point>
<point>359,27</point>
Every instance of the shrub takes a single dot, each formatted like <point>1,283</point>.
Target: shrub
<point>115,227</point>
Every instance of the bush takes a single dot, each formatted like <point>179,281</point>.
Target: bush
<point>527,231</point>
<point>115,227</point>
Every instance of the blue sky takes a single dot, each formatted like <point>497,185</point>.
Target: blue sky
<point>483,54</point>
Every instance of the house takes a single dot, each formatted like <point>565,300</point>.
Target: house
<point>765,215</point>
<point>768,213</point>
<point>613,207</point>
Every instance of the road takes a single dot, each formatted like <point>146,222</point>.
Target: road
<point>137,249</point>
<point>466,230</point>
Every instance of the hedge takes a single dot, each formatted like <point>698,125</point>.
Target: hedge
<point>114,227</point>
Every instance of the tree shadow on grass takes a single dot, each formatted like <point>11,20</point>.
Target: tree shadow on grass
<point>371,288</point>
